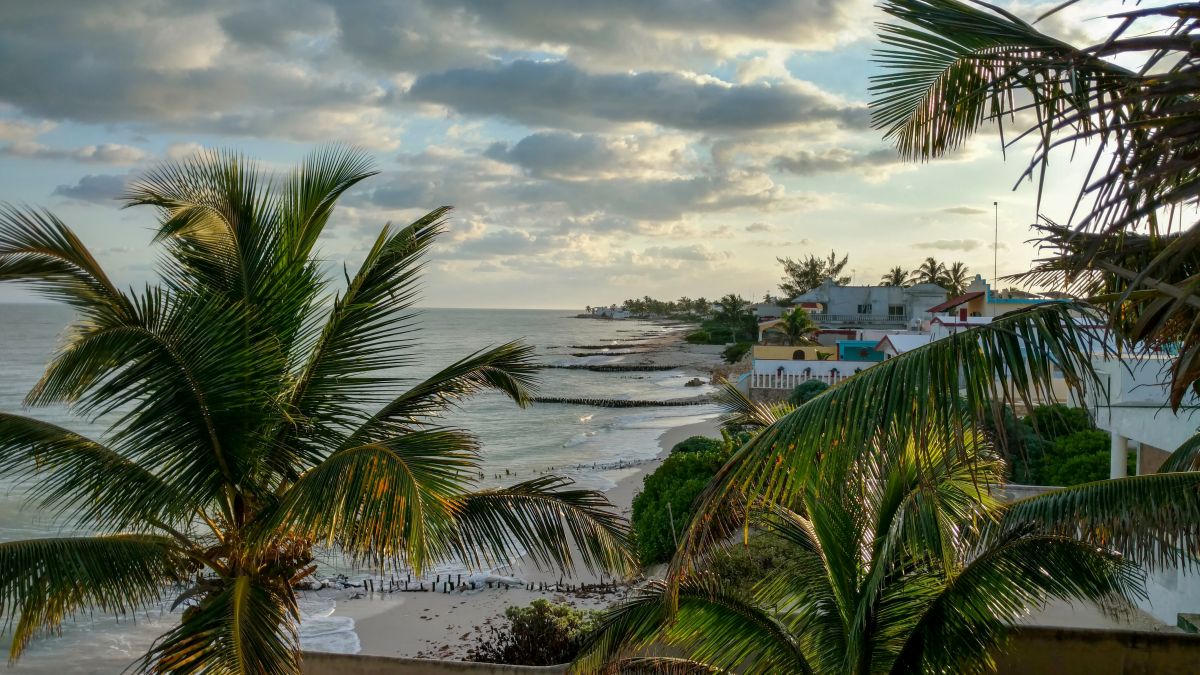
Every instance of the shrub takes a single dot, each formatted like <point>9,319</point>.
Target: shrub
<point>697,337</point>
<point>542,634</point>
<point>1055,421</point>
<point>734,352</point>
<point>676,482</point>
<point>806,391</point>
<point>1081,457</point>
<point>740,568</point>
<point>698,444</point>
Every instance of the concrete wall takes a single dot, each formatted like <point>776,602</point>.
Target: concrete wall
<point>1084,651</point>
<point>784,353</point>
<point>1032,650</point>
<point>319,663</point>
<point>814,368</point>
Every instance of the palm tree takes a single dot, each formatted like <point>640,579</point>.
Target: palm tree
<point>797,326</point>
<point>255,416</point>
<point>733,311</point>
<point>914,568</point>
<point>897,276</point>
<point>951,67</point>
<point>906,564</point>
<point>956,278</point>
<point>930,272</point>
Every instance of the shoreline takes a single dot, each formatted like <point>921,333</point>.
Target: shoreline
<point>448,625</point>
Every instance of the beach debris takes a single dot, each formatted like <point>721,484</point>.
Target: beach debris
<point>694,382</point>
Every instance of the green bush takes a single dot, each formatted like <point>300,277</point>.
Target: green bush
<point>697,337</point>
<point>698,444</point>
<point>1052,422</point>
<point>806,391</point>
<point>676,482</point>
<point>766,556</point>
<point>734,353</point>
<point>1081,457</point>
<point>542,634</point>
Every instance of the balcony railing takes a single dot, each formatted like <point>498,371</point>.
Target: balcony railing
<point>790,380</point>
<point>860,319</point>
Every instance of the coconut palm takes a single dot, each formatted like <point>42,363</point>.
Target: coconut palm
<point>907,565</point>
<point>897,276</point>
<point>255,415</point>
<point>880,482</point>
<point>734,311</point>
<point>955,278</point>
<point>951,67</point>
<point>798,326</point>
<point>930,272</point>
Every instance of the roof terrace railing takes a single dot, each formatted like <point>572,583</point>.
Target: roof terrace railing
<point>824,319</point>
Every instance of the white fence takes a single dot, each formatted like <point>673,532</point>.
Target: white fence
<point>791,380</point>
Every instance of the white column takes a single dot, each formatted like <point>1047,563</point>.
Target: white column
<point>1119,459</point>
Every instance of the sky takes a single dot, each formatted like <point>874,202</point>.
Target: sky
<point>593,150</point>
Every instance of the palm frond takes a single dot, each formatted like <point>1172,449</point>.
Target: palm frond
<point>390,500</point>
<point>1185,458</point>
<point>740,411</point>
<point>1153,519</point>
<point>248,627</point>
<point>508,368</point>
<point>710,627</point>
<point>545,520</point>
<point>967,619</point>
<point>174,370</point>
<point>79,478</point>
<point>43,581</point>
<point>368,330</point>
<point>37,248</point>
<point>217,221</point>
<point>951,66</point>
<point>311,190</point>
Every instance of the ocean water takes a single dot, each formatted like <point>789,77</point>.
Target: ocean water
<point>588,444</point>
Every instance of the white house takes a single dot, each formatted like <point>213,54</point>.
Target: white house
<point>872,306</point>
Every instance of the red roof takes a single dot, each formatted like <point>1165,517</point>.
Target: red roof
<point>955,302</point>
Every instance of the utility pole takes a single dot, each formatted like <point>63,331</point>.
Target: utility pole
<point>995,252</point>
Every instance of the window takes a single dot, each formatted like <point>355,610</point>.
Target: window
<point>895,310</point>
<point>864,309</point>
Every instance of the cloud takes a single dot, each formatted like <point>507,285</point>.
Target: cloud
<point>97,188</point>
<point>694,252</point>
<point>955,244</point>
<point>964,210</point>
<point>874,164</point>
<point>559,94</point>
<point>571,156</point>
<point>758,227</point>
<point>104,153</point>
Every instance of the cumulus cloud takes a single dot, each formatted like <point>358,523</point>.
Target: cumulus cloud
<point>96,188</point>
<point>758,227</point>
<point>559,94</point>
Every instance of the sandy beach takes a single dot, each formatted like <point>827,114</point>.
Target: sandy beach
<point>447,625</point>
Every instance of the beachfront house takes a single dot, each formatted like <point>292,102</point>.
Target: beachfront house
<point>872,306</point>
<point>610,312</point>
<point>979,301</point>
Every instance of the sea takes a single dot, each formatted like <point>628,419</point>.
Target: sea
<point>595,446</point>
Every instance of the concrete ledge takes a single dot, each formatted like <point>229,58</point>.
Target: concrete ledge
<point>1091,651</point>
<point>321,663</point>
